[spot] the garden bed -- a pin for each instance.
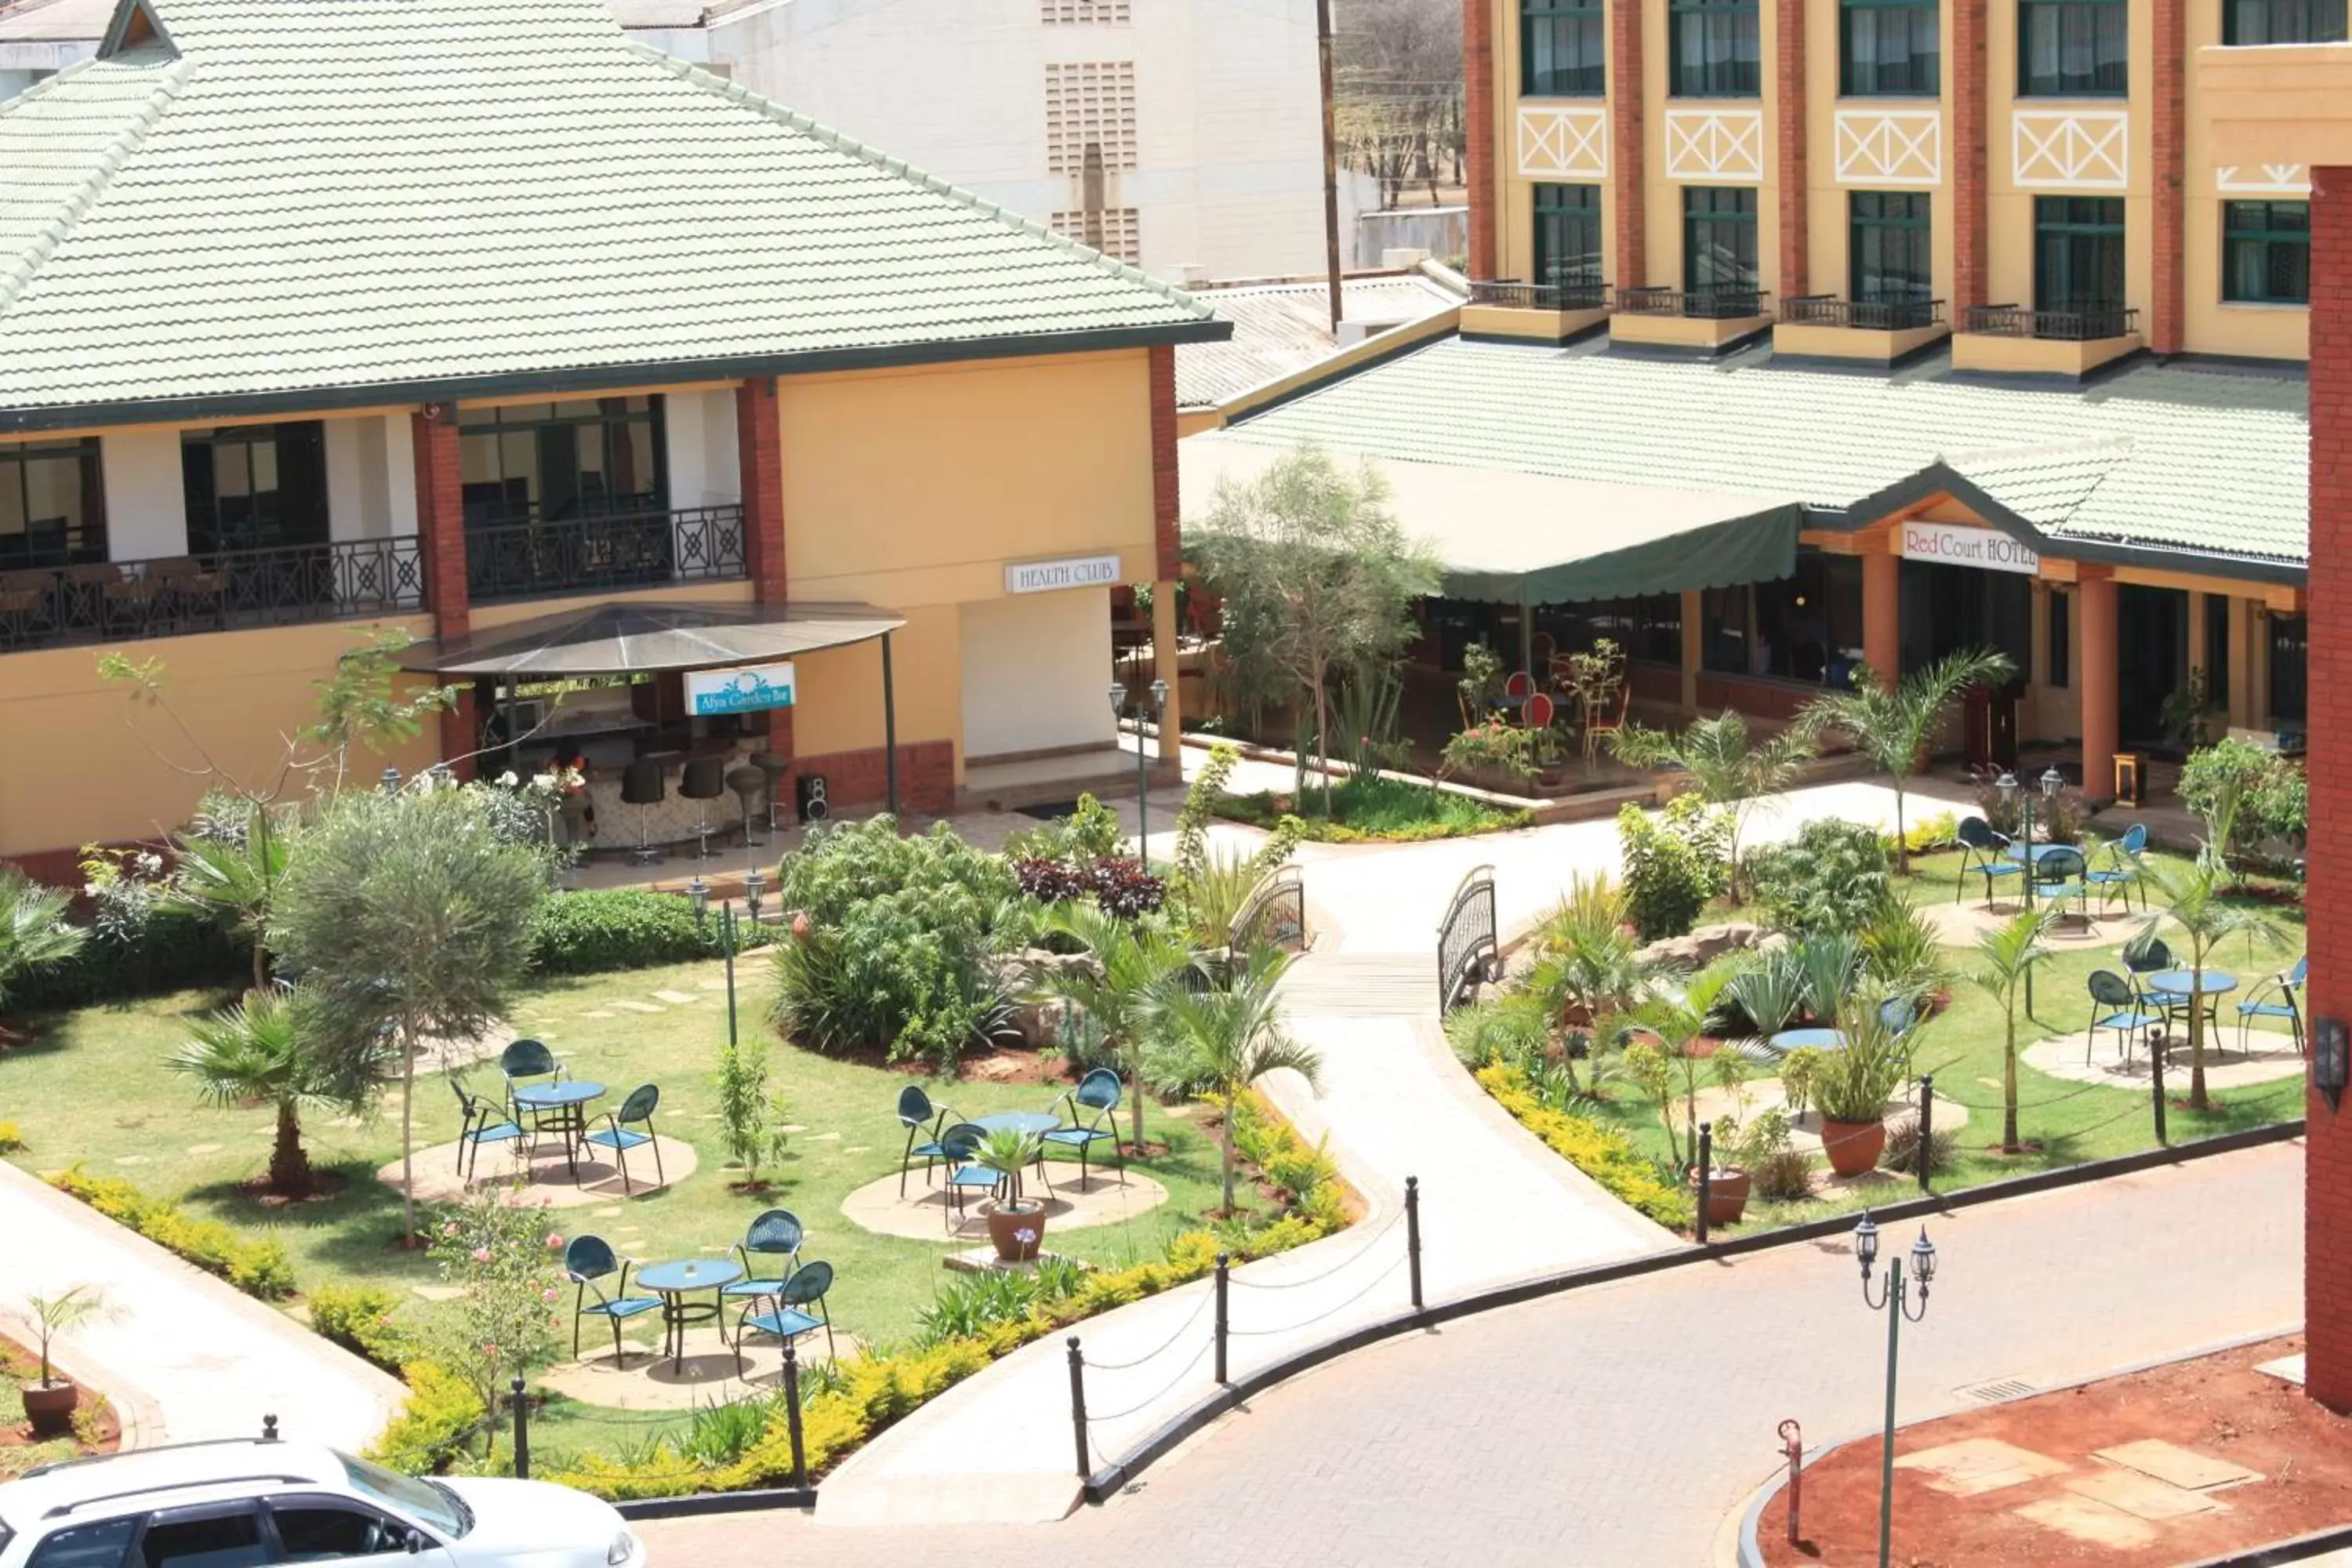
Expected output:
(97, 1430)
(1375, 808)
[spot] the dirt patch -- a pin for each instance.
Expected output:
(2174, 1465)
(979, 1067)
(324, 1184)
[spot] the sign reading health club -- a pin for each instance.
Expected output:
(1079, 572)
(752, 691)
(1983, 547)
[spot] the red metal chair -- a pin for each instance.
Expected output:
(1540, 711)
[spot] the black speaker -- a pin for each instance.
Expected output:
(815, 804)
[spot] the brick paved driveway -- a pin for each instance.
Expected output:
(1619, 1426)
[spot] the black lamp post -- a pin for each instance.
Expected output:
(1158, 698)
(2052, 782)
(1892, 1296)
(699, 891)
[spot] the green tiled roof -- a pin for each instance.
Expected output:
(2169, 457)
(284, 196)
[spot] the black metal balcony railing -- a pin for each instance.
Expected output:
(534, 558)
(2080, 324)
(1702, 304)
(1869, 315)
(226, 591)
(1518, 296)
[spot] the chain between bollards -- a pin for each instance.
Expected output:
(1078, 1404)
(1927, 1130)
(1706, 1176)
(1412, 1235)
(521, 1407)
(792, 1414)
(1224, 1281)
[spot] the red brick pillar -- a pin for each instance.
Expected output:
(1478, 132)
(1789, 131)
(1626, 192)
(2327, 895)
(1882, 613)
(2168, 128)
(2095, 619)
(759, 453)
(1970, 235)
(441, 553)
(1167, 540)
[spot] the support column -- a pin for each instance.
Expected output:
(760, 450)
(1970, 230)
(2101, 726)
(1163, 668)
(1479, 131)
(2037, 653)
(2258, 645)
(1693, 647)
(2200, 655)
(1625, 128)
(1789, 143)
(441, 555)
(1167, 529)
(1882, 613)
(2241, 694)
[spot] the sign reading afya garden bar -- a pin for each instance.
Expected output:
(752, 691)
(1078, 572)
(1988, 548)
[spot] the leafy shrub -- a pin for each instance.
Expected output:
(622, 928)
(1930, 834)
(1830, 878)
(1673, 864)
(359, 1319)
(1900, 952)
(1123, 888)
(1902, 1152)
(1601, 1152)
(1049, 881)
(1782, 1177)
(1090, 833)
(259, 1266)
(1369, 808)
(12, 1138)
(1799, 1070)
(1495, 747)
(148, 951)
(442, 1413)
(2261, 793)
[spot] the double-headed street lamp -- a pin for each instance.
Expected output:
(2050, 782)
(1892, 1295)
(1159, 690)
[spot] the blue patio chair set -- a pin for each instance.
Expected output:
(543, 1103)
(780, 1297)
(2127, 1004)
(938, 1137)
(2059, 872)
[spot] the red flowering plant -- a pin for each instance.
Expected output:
(505, 1261)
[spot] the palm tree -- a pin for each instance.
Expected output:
(230, 866)
(1232, 1037)
(1677, 1018)
(266, 1048)
(1724, 767)
(2193, 902)
(2009, 954)
(1136, 964)
(1587, 961)
(1893, 724)
(33, 929)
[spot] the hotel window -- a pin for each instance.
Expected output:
(1714, 50)
(2266, 252)
(255, 487)
(2078, 253)
(1890, 258)
(553, 462)
(1804, 627)
(2073, 48)
(1563, 48)
(2282, 21)
(1889, 49)
(2289, 636)
(1072, 12)
(1568, 235)
(52, 512)
(1719, 239)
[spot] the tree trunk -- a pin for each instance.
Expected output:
(407, 1136)
(1135, 1082)
(1902, 845)
(289, 1167)
(2197, 1036)
(1323, 742)
(261, 962)
(2010, 1143)
(1229, 1153)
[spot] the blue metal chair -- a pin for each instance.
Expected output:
(1098, 1093)
(586, 1260)
(2116, 1005)
(775, 1234)
(1985, 851)
(957, 1146)
(523, 1060)
(485, 1122)
(638, 1111)
(2121, 872)
(2058, 877)
(923, 1122)
(790, 1318)
(2148, 955)
(2286, 984)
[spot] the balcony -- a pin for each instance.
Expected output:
(2010, 339)
(1709, 320)
(1874, 331)
(229, 590)
(539, 558)
(1534, 312)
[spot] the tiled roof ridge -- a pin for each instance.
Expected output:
(737, 93)
(16, 271)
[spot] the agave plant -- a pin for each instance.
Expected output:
(1771, 991)
(1831, 960)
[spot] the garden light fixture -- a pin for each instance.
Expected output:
(1892, 1295)
(392, 781)
(2052, 782)
(2327, 1058)
(699, 891)
(754, 885)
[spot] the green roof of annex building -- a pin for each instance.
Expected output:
(253, 203)
(2194, 466)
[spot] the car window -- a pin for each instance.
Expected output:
(98, 1544)
(435, 1505)
(318, 1533)
(209, 1540)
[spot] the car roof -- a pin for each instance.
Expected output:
(108, 1484)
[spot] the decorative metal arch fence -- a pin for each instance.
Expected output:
(1468, 952)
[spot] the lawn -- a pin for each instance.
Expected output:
(1368, 807)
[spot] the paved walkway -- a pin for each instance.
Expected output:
(1625, 1425)
(185, 1357)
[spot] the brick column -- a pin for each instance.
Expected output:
(2095, 622)
(2168, 127)
(2327, 895)
(1163, 666)
(1970, 112)
(1166, 532)
(1789, 132)
(441, 554)
(759, 456)
(1882, 612)
(1478, 132)
(2243, 706)
(1693, 646)
(1626, 192)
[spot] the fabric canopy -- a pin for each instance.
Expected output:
(624, 638)
(1520, 538)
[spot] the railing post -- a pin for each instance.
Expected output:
(2158, 1045)
(521, 1428)
(792, 1416)
(1223, 1271)
(1705, 1175)
(1926, 1127)
(1078, 1405)
(1412, 1237)
(270, 1428)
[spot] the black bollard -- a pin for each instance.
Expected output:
(1412, 1235)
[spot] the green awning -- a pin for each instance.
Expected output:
(1520, 538)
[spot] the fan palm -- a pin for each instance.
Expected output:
(266, 1048)
(1586, 960)
(1893, 724)
(1724, 765)
(1136, 963)
(33, 929)
(2191, 897)
(2007, 954)
(230, 869)
(1231, 1038)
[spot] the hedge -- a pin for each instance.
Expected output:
(619, 928)
(257, 1266)
(1601, 1152)
(174, 951)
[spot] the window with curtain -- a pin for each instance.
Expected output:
(1714, 50)
(2073, 49)
(255, 487)
(2266, 252)
(1891, 259)
(1568, 235)
(1719, 238)
(1889, 49)
(52, 511)
(2282, 21)
(1563, 48)
(553, 462)
(2290, 636)
(2078, 253)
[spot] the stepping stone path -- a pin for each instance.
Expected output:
(204, 1148)
(600, 1013)
(676, 998)
(131, 1160)
(640, 1007)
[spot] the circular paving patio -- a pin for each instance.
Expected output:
(925, 1214)
(2270, 1057)
(709, 1373)
(551, 1180)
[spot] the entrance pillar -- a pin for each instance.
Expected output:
(2200, 655)
(2101, 728)
(1882, 613)
(2241, 694)
(760, 450)
(1693, 647)
(1163, 668)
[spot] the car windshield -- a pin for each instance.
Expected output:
(437, 1505)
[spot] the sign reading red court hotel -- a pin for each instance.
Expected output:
(1985, 547)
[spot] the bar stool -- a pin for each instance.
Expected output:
(640, 784)
(773, 768)
(747, 782)
(705, 780)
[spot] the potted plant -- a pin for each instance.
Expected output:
(49, 1403)
(1739, 1148)
(1015, 1224)
(1851, 1087)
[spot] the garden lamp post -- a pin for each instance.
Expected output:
(699, 891)
(1892, 1296)
(1159, 699)
(391, 781)
(2050, 782)
(754, 887)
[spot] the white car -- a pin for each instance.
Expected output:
(257, 1502)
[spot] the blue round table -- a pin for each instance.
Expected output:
(565, 1102)
(672, 1280)
(1789, 1040)
(2177, 988)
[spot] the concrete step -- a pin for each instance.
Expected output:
(1360, 985)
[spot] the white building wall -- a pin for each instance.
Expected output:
(371, 478)
(146, 513)
(699, 429)
(1034, 670)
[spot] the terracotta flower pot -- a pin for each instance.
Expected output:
(1017, 1233)
(1726, 1195)
(1852, 1147)
(50, 1407)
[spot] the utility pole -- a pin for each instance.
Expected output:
(1330, 161)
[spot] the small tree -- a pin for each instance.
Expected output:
(747, 1114)
(2006, 955)
(1135, 965)
(62, 1313)
(1893, 724)
(1669, 1064)
(230, 862)
(1231, 1038)
(33, 929)
(506, 1267)
(1726, 767)
(1318, 578)
(1586, 961)
(2193, 902)
(268, 1047)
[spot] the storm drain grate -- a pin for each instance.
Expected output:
(1995, 1392)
